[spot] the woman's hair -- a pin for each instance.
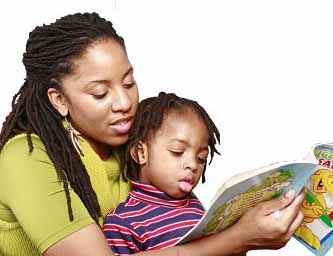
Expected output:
(149, 118)
(50, 52)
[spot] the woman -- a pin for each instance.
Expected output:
(61, 146)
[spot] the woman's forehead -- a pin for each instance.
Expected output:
(105, 60)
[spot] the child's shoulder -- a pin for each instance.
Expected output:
(121, 208)
(128, 207)
(195, 202)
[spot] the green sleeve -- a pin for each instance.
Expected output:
(30, 188)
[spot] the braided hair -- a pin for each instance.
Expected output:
(50, 52)
(149, 118)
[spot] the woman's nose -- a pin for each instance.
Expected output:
(121, 101)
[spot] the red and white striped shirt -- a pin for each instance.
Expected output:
(150, 219)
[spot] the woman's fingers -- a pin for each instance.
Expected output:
(271, 224)
(280, 203)
(295, 224)
(291, 211)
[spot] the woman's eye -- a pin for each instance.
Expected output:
(129, 85)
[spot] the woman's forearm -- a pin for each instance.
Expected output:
(228, 242)
(257, 229)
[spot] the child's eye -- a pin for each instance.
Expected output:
(202, 160)
(176, 153)
(99, 96)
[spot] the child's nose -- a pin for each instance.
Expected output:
(191, 165)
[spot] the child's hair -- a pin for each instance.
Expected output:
(149, 118)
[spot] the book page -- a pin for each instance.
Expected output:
(242, 192)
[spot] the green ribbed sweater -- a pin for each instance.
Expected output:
(33, 207)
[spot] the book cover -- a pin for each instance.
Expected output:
(316, 231)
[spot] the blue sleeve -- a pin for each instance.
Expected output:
(121, 236)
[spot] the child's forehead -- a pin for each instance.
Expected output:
(186, 122)
(185, 113)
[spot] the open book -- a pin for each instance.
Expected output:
(245, 190)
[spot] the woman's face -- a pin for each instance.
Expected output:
(101, 96)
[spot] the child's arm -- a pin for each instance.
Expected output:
(121, 236)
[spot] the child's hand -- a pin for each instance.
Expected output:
(270, 225)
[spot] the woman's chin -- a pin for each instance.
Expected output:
(118, 140)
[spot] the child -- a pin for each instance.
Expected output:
(166, 155)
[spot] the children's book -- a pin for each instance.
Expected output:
(316, 231)
(241, 192)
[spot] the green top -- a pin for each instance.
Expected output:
(33, 206)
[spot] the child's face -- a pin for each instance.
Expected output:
(174, 158)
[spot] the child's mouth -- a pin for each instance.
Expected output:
(186, 185)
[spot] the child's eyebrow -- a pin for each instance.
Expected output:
(205, 147)
(180, 141)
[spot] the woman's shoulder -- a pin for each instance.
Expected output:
(18, 145)
(16, 153)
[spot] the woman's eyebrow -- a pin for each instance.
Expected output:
(129, 71)
(104, 81)
(91, 83)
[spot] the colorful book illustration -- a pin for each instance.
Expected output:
(316, 232)
(311, 198)
(243, 191)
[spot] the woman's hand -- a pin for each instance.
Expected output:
(270, 225)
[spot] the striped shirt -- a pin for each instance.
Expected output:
(150, 219)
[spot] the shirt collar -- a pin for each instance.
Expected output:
(149, 193)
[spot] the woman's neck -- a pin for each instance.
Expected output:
(101, 149)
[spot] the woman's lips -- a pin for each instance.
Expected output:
(123, 126)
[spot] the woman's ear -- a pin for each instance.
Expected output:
(139, 153)
(58, 101)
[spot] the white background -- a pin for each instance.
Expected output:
(262, 69)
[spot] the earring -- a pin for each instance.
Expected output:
(74, 137)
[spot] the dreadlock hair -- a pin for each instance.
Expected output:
(149, 117)
(50, 52)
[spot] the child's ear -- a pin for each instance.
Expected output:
(139, 153)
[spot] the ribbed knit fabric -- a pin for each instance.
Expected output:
(14, 241)
(105, 177)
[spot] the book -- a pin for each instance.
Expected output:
(316, 232)
(245, 190)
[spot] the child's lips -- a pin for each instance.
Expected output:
(186, 185)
